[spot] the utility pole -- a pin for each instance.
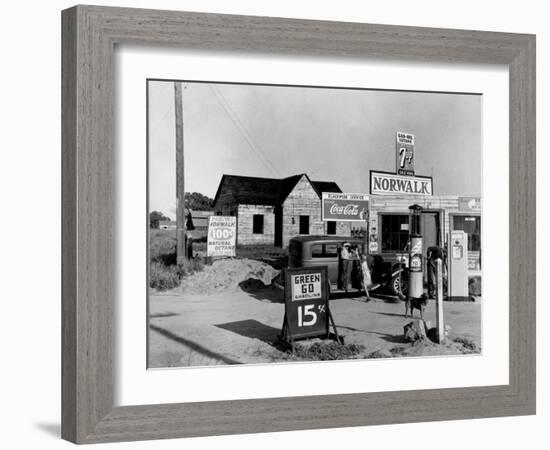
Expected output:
(181, 237)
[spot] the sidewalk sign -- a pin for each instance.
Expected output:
(307, 311)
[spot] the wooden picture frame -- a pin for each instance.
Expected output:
(89, 36)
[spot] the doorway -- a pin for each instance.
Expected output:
(431, 232)
(278, 226)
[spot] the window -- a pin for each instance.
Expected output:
(324, 251)
(331, 250)
(304, 224)
(331, 227)
(472, 226)
(395, 232)
(258, 224)
(317, 251)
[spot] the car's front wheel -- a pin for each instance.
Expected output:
(400, 284)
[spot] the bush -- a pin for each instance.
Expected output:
(190, 266)
(167, 276)
(162, 246)
(163, 277)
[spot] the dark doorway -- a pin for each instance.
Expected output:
(258, 224)
(431, 233)
(304, 224)
(278, 226)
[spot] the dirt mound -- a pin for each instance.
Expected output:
(458, 346)
(324, 350)
(227, 274)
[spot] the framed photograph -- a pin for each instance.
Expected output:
(323, 215)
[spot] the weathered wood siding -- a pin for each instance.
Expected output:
(400, 204)
(304, 201)
(342, 228)
(448, 204)
(225, 206)
(245, 214)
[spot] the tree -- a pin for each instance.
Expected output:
(155, 217)
(198, 202)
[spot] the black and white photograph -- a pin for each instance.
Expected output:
(275, 225)
(298, 223)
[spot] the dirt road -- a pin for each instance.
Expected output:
(240, 326)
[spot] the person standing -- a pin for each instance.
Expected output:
(347, 265)
(366, 280)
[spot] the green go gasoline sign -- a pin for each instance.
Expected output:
(306, 303)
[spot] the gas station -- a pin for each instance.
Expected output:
(406, 219)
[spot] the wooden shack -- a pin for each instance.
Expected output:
(271, 211)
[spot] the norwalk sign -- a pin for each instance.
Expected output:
(382, 183)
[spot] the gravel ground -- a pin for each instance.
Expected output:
(241, 325)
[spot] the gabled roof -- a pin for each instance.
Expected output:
(267, 191)
(326, 186)
(250, 190)
(287, 185)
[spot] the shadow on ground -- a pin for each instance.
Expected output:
(193, 345)
(396, 339)
(252, 329)
(256, 289)
(393, 338)
(342, 294)
(392, 314)
(162, 315)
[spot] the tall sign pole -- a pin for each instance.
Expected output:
(180, 186)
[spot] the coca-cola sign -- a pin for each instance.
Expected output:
(345, 207)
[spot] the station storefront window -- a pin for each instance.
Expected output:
(394, 232)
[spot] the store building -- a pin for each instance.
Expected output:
(441, 214)
(271, 211)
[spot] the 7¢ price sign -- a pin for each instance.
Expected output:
(306, 302)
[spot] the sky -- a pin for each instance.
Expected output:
(330, 134)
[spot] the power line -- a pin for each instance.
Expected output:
(159, 121)
(235, 119)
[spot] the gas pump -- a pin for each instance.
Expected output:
(416, 278)
(458, 266)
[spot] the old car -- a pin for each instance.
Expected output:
(312, 251)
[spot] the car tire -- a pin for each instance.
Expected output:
(400, 285)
